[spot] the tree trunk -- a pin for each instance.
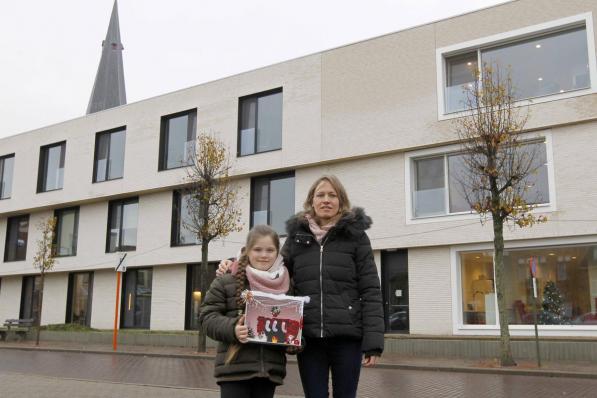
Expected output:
(201, 344)
(41, 301)
(498, 262)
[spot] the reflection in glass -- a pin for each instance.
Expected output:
(80, 300)
(16, 242)
(260, 125)
(122, 226)
(566, 281)
(429, 191)
(66, 232)
(53, 167)
(460, 75)
(273, 201)
(179, 140)
(6, 170)
(544, 65)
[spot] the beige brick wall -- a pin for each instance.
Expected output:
(168, 297)
(54, 300)
(430, 297)
(104, 296)
(10, 297)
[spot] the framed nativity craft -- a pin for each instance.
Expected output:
(274, 318)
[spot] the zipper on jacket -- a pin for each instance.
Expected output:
(321, 282)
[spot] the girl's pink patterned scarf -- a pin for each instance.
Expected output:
(275, 280)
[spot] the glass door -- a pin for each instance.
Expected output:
(394, 268)
(136, 298)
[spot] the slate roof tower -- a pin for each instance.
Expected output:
(108, 89)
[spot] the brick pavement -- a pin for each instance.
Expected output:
(175, 376)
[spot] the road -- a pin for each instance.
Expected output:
(81, 375)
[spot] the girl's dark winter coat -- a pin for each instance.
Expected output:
(218, 316)
(340, 277)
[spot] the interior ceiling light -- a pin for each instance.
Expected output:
(538, 46)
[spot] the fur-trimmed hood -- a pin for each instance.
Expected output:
(354, 223)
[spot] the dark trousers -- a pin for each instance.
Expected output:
(258, 387)
(342, 356)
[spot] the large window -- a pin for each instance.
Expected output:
(437, 187)
(122, 225)
(181, 219)
(177, 139)
(260, 123)
(6, 169)
(78, 305)
(51, 167)
(17, 229)
(272, 200)
(194, 293)
(65, 238)
(30, 295)
(136, 304)
(109, 155)
(540, 65)
(566, 285)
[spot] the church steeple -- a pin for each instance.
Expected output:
(108, 89)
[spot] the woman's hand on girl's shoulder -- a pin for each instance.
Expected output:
(224, 267)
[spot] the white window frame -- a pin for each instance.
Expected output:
(458, 326)
(512, 37)
(410, 157)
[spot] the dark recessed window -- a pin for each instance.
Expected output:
(122, 225)
(177, 139)
(78, 304)
(67, 225)
(272, 200)
(194, 294)
(51, 167)
(30, 293)
(136, 304)
(6, 169)
(17, 229)
(181, 219)
(260, 123)
(109, 155)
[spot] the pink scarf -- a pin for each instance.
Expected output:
(320, 231)
(275, 280)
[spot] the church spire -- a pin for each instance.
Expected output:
(108, 89)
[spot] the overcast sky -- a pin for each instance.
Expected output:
(51, 49)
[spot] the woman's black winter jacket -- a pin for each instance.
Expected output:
(218, 316)
(340, 277)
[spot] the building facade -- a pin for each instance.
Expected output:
(378, 114)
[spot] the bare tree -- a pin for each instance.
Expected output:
(44, 261)
(498, 170)
(211, 200)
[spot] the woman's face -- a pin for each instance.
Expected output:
(325, 201)
(263, 253)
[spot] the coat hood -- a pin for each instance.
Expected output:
(355, 222)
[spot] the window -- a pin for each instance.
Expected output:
(51, 167)
(30, 295)
(136, 305)
(6, 169)
(260, 123)
(566, 286)
(65, 238)
(78, 304)
(272, 201)
(543, 64)
(194, 292)
(181, 218)
(122, 225)
(436, 187)
(17, 229)
(177, 140)
(109, 155)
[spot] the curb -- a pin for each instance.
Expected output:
(429, 367)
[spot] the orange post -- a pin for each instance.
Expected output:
(115, 335)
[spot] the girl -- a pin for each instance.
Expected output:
(246, 370)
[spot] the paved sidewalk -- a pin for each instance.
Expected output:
(387, 361)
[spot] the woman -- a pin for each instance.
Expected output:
(329, 258)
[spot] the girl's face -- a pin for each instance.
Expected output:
(263, 253)
(325, 201)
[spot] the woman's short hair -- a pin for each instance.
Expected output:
(338, 187)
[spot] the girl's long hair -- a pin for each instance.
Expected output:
(257, 232)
